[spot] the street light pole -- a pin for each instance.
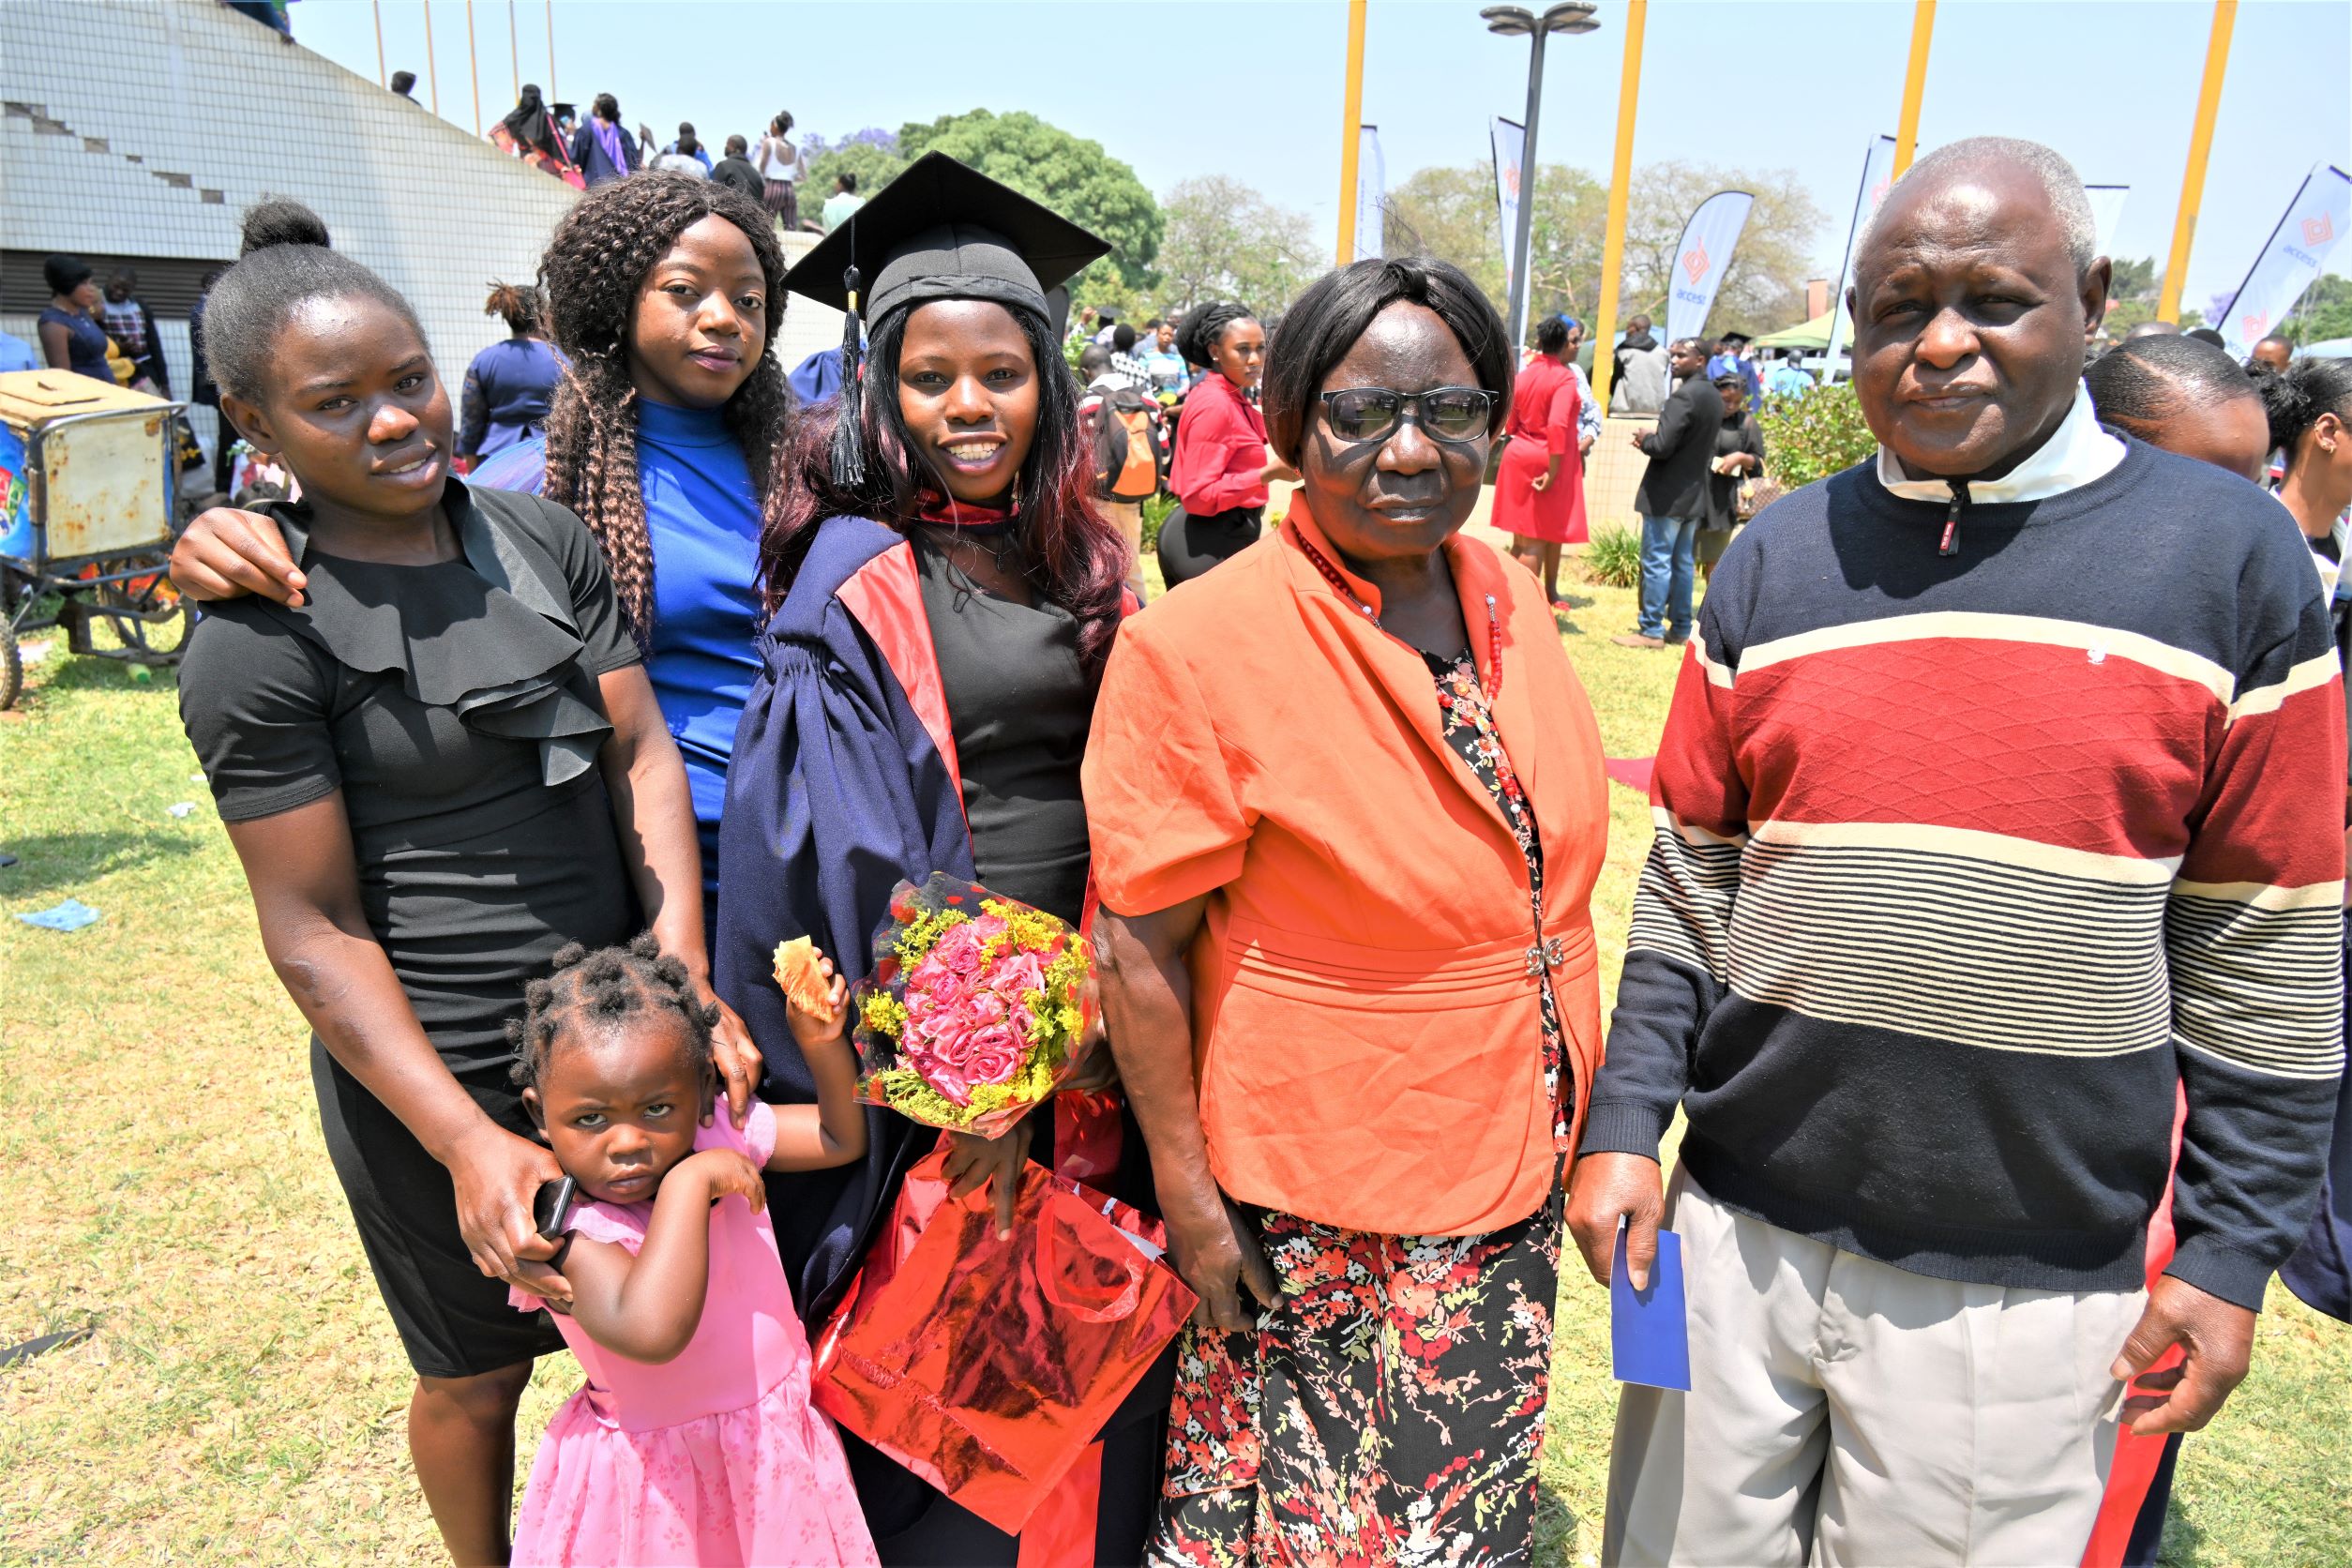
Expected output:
(1569, 16)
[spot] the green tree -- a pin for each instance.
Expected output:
(1450, 212)
(1226, 241)
(872, 155)
(1073, 176)
(1763, 290)
(2324, 312)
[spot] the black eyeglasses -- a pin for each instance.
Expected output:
(1364, 414)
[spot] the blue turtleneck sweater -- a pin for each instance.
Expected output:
(704, 519)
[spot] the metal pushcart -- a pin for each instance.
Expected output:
(89, 489)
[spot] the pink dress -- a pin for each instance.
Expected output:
(715, 1457)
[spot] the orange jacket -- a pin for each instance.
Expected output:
(1365, 1025)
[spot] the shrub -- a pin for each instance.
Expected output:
(1156, 512)
(1814, 435)
(1613, 559)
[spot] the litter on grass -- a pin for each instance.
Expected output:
(32, 652)
(71, 916)
(181, 809)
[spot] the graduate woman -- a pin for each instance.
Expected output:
(942, 597)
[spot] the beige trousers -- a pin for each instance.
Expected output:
(1842, 1411)
(1129, 515)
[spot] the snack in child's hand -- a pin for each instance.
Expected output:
(804, 982)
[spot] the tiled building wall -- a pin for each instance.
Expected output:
(219, 115)
(145, 128)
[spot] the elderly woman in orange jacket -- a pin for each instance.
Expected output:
(1347, 809)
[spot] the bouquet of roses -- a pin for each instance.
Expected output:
(977, 1007)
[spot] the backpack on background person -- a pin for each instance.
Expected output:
(1131, 460)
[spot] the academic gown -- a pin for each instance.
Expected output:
(842, 784)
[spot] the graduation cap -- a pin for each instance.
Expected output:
(938, 231)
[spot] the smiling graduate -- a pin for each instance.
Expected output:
(941, 593)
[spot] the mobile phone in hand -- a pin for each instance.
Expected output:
(552, 1207)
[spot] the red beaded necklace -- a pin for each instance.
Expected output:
(1492, 686)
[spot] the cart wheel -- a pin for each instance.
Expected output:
(146, 610)
(12, 665)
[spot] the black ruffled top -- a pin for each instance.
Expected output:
(455, 706)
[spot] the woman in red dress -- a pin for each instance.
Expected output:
(1539, 490)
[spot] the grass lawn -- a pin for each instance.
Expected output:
(241, 1399)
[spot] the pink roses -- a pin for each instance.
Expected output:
(977, 1009)
(967, 1020)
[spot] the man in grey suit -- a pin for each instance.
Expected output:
(1673, 499)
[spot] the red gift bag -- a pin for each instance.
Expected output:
(985, 1366)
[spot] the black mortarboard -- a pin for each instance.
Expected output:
(942, 231)
(938, 231)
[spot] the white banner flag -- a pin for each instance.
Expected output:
(1371, 191)
(2297, 251)
(1701, 260)
(2106, 213)
(1878, 173)
(1510, 139)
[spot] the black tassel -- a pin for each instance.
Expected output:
(847, 459)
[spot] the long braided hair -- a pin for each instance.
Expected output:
(601, 252)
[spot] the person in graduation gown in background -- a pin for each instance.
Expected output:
(941, 593)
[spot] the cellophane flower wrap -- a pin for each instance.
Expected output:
(977, 1007)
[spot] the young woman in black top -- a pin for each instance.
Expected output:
(442, 767)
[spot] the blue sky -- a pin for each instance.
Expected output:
(1251, 88)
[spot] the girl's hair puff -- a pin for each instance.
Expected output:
(598, 990)
(601, 254)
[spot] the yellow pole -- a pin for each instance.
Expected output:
(514, 51)
(382, 80)
(1620, 177)
(551, 51)
(1351, 133)
(432, 67)
(2184, 227)
(473, 66)
(1914, 85)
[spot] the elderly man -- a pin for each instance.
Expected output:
(1672, 500)
(1999, 802)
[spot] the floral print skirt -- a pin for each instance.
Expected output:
(1389, 1411)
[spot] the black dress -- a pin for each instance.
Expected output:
(1020, 706)
(454, 707)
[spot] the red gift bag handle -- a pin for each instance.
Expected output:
(1055, 1280)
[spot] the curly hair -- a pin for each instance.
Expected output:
(601, 252)
(2295, 397)
(1065, 548)
(601, 988)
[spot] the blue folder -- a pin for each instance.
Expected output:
(1649, 1330)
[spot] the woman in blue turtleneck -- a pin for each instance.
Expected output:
(667, 439)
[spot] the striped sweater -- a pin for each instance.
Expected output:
(1962, 861)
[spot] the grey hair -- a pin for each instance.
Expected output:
(2061, 186)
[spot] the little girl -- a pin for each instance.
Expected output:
(694, 1441)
